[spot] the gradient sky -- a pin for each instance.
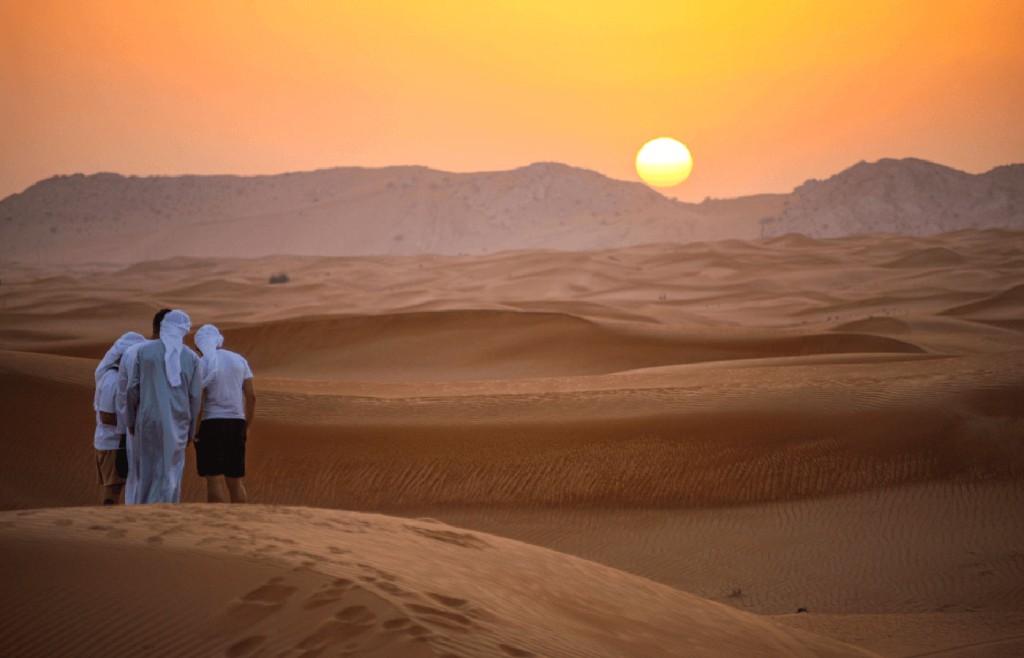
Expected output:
(765, 94)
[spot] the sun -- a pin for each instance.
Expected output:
(663, 162)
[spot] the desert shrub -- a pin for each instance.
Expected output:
(280, 277)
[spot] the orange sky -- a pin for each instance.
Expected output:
(765, 94)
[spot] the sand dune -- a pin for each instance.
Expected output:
(281, 579)
(725, 436)
(1005, 304)
(453, 345)
(750, 426)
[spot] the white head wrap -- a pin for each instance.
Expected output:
(208, 339)
(173, 329)
(111, 358)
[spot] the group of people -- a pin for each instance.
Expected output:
(150, 396)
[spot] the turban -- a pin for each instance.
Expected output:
(112, 356)
(208, 339)
(173, 328)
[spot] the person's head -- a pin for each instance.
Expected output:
(176, 322)
(208, 339)
(113, 355)
(157, 319)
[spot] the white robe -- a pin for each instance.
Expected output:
(162, 418)
(123, 373)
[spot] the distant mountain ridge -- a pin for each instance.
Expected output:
(909, 197)
(355, 211)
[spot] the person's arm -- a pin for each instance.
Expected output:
(250, 401)
(121, 397)
(199, 419)
(107, 398)
(195, 398)
(131, 406)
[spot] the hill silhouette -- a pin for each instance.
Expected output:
(415, 210)
(909, 197)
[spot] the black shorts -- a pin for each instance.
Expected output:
(220, 449)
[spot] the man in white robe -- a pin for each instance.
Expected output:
(162, 406)
(125, 370)
(110, 425)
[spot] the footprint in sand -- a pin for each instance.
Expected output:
(349, 623)
(449, 601)
(462, 606)
(274, 592)
(328, 594)
(464, 539)
(445, 618)
(170, 530)
(252, 608)
(378, 574)
(393, 590)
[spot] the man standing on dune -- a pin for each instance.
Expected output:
(108, 440)
(127, 363)
(161, 408)
(229, 403)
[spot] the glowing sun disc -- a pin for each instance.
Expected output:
(663, 162)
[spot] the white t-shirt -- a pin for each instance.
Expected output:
(106, 437)
(224, 396)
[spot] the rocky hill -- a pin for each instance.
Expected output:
(351, 211)
(109, 218)
(909, 197)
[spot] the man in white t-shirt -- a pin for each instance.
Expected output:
(229, 403)
(108, 440)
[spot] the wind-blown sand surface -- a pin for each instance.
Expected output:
(735, 429)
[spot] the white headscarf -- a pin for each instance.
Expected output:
(173, 329)
(208, 339)
(111, 358)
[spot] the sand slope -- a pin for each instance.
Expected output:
(297, 581)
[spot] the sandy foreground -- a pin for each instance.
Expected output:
(658, 450)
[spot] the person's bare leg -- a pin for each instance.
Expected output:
(111, 492)
(216, 492)
(237, 490)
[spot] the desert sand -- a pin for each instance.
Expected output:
(652, 450)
